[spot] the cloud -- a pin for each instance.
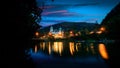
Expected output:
(64, 4)
(75, 10)
(54, 12)
(61, 13)
(52, 20)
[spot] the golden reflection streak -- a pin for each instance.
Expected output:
(103, 51)
(58, 47)
(92, 48)
(77, 48)
(87, 49)
(40, 45)
(44, 46)
(35, 48)
(49, 48)
(55, 47)
(77, 45)
(71, 46)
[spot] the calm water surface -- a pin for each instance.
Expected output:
(75, 54)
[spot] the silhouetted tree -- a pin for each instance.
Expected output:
(22, 20)
(112, 23)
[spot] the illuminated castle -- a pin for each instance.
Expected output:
(56, 33)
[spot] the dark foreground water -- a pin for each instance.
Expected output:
(77, 54)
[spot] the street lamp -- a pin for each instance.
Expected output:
(37, 34)
(102, 28)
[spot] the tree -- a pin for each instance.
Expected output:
(112, 23)
(21, 22)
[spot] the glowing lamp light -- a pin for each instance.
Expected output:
(102, 28)
(91, 32)
(37, 33)
(76, 34)
(50, 33)
(71, 32)
(99, 32)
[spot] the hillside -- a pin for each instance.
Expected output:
(67, 26)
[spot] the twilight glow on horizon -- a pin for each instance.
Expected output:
(75, 10)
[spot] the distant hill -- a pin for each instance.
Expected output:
(67, 26)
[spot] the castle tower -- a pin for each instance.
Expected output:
(51, 29)
(60, 29)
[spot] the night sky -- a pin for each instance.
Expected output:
(75, 10)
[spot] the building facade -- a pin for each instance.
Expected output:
(56, 33)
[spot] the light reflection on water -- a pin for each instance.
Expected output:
(65, 52)
(58, 47)
(76, 49)
(72, 48)
(103, 52)
(85, 54)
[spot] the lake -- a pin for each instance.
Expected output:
(72, 54)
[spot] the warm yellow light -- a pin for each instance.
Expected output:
(44, 46)
(91, 32)
(76, 48)
(50, 33)
(55, 47)
(71, 32)
(76, 34)
(102, 28)
(71, 46)
(60, 33)
(92, 46)
(103, 51)
(49, 48)
(37, 33)
(79, 33)
(99, 32)
(58, 47)
(35, 48)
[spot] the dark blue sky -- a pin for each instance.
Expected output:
(75, 10)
